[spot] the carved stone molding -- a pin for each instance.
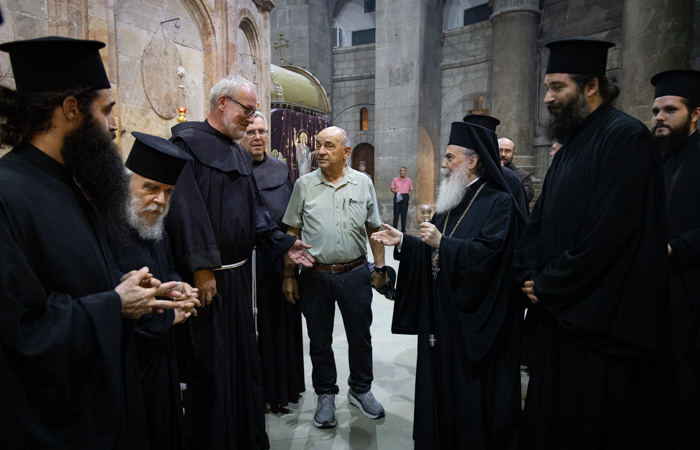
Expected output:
(507, 6)
(264, 5)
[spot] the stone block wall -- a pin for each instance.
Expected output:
(353, 89)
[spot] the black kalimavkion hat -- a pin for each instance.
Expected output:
(578, 55)
(156, 158)
(55, 63)
(681, 83)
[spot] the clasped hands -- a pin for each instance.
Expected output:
(138, 290)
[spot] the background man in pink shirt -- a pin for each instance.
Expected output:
(401, 187)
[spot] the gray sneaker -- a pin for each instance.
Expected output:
(369, 405)
(325, 411)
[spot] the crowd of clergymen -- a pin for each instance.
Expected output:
(117, 285)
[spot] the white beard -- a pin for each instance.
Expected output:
(145, 230)
(452, 188)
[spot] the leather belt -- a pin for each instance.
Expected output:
(340, 268)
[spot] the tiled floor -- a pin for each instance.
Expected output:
(394, 383)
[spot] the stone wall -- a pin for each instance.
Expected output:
(307, 27)
(353, 89)
(142, 54)
(466, 65)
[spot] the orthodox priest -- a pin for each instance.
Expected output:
(68, 371)
(455, 290)
(675, 114)
(216, 218)
(155, 164)
(592, 261)
(280, 338)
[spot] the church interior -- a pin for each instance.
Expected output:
(394, 74)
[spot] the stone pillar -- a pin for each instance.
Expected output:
(407, 99)
(513, 81)
(654, 39)
(307, 26)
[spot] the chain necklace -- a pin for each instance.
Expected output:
(435, 259)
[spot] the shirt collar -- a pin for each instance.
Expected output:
(350, 176)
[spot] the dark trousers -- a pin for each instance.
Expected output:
(353, 292)
(401, 208)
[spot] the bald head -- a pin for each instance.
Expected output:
(507, 149)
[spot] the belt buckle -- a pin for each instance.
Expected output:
(333, 266)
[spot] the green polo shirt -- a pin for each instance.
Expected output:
(333, 218)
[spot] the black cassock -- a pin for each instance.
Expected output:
(216, 218)
(681, 170)
(155, 341)
(280, 339)
(474, 380)
(69, 374)
(595, 247)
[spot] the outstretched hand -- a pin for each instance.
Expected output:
(298, 254)
(390, 236)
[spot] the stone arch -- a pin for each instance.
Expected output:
(248, 27)
(364, 152)
(213, 70)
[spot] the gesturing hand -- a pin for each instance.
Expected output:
(298, 254)
(390, 236)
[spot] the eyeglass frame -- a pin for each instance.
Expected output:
(262, 133)
(245, 108)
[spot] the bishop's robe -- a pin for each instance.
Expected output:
(68, 374)
(681, 171)
(468, 385)
(595, 247)
(280, 338)
(216, 217)
(155, 341)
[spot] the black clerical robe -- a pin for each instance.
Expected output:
(595, 247)
(155, 341)
(516, 189)
(69, 378)
(468, 385)
(681, 171)
(280, 338)
(216, 218)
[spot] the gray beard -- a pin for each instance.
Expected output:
(452, 189)
(145, 230)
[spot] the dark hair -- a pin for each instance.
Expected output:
(608, 90)
(22, 117)
(692, 105)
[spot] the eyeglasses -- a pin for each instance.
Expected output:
(248, 111)
(252, 133)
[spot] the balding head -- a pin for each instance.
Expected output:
(507, 149)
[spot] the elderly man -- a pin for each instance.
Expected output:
(507, 151)
(155, 165)
(334, 208)
(215, 220)
(455, 291)
(279, 322)
(592, 260)
(675, 114)
(69, 377)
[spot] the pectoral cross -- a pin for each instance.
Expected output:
(432, 340)
(280, 45)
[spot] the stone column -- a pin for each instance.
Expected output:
(513, 75)
(407, 99)
(307, 26)
(654, 39)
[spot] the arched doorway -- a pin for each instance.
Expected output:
(364, 152)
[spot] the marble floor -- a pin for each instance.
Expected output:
(393, 386)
